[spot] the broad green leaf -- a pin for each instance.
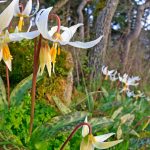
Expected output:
(133, 132)
(99, 123)
(105, 92)
(146, 125)
(3, 100)
(20, 90)
(57, 125)
(117, 112)
(127, 119)
(119, 133)
(63, 108)
(90, 101)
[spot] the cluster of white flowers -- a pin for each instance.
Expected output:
(127, 81)
(58, 35)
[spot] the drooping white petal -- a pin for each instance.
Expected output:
(105, 145)
(68, 34)
(36, 8)
(42, 22)
(83, 45)
(85, 128)
(8, 64)
(102, 138)
(23, 35)
(28, 8)
(16, 8)
(86, 144)
(7, 15)
(105, 70)
(3, 1)
(54, 30)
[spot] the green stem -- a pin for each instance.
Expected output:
(35, 70)
(74, 131)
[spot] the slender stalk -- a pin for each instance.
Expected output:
(8, 86)
(7, 79)
(35, 70)
(57, 19)
(73, 132)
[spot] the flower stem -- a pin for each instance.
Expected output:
(73, 132)
(8, 86)
(57, 19)
(35, 70)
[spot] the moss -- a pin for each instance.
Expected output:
(55, 85)
(22, 53)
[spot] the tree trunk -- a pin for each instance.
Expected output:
(81, 17)
(103, 25)
(134, 34)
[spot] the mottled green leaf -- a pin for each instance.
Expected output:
(20, 90)
(3, 100)
(105, 92)
(63, 108)
(57, 125)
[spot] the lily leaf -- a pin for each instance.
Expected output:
(20, 90)
(3, 101)
(63, 108)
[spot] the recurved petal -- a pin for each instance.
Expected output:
(42, 22)
(3, 1)
(68, 34)
(84, 45)
(102, 138)
(36, 8)
(7, 15)
(86, 144)
(85, 128)
(105, 145)
(8, 64)
(41, 68)
(23, 35)
(49, 67)
(54, 29)
(16, 8)
(28, 8)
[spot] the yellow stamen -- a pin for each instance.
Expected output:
(125, 87)
(58, 52)
(91, 138)
(21, 23)
(6, 52)
(53, 53)
(106, 77)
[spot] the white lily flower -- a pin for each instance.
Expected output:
(130, 93)
(11, 37)
(106, 72)
(24, 12)
(60, 38)
(148, 98)
(113, 76)
(45, 58)
(89, 142)
(128, 81)
(7, 15)
(139, 95)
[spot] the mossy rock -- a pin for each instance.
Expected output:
(59, 84)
